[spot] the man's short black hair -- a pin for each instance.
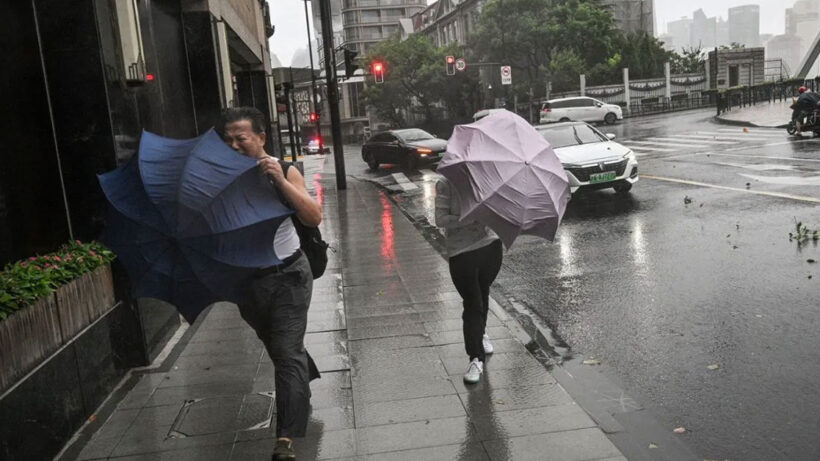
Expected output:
(236, 114)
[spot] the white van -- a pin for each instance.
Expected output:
(580, 108)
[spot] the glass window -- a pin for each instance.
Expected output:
(357, 108)
(414, 135)
(571, 135)
(586, 102)
(382, 137)
(558, 104)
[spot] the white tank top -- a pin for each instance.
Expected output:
(286, 240)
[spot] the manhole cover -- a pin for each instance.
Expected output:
(224, 414)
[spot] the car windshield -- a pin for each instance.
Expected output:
(570, 135)
(414, 135)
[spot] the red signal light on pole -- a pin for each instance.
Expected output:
(313, 117)
(378, 71)
(451, 65)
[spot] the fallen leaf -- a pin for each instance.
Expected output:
(734, 247)
(745, 130)
(701, 205)
(680, 430)
(592, 362)
(758, 316)
(498, 402)
(728, 235)
(687, 199)
(810, 277)
(652, 445)
(713, 366)
(92, 418)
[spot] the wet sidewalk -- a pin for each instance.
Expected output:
(766, 115)
(385, 330)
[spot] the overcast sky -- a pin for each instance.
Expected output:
(289, 18)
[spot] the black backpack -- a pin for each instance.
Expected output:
(310, 239)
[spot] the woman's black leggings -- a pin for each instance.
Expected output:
(473, 272)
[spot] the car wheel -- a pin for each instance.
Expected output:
(372, 163)
(610, 118)
(564, 119)
(623, 188)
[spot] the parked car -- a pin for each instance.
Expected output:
(591, 159)
(407, 147)
(312, 147)
(580, 108)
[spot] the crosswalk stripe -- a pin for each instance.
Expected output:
(721, 138)
(686, 139)
(667, 144)
(644, 149)
(770, 134)
(404, 182)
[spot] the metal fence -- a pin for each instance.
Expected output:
(764, 93)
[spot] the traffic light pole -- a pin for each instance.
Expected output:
(332, 93)
(313, 83)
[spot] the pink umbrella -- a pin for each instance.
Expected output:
(507, 177)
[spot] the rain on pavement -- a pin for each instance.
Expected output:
(687, 290)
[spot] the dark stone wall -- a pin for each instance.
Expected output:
(200, 46)
(32, 213)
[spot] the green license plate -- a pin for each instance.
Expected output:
(601, 177)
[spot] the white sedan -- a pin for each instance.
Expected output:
(591, 159)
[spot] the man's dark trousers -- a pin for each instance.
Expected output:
(278, 313)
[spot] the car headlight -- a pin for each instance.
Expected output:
(570, 165)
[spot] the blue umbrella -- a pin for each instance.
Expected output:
(191, 220)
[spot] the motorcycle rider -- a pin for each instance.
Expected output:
(806, 103)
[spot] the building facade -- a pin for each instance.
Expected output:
(448, 21)
(744, 25)
(633, 15)
(367, 22)
(740, 67)
(803, 22)
(679, 31)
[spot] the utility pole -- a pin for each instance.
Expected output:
(332, 93)
(316, 107)
(291, 102)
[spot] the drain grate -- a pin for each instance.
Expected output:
(230, 413)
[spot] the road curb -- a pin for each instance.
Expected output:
(723, 121)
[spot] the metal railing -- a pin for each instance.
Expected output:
(764, 93)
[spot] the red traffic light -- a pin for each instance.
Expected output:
(451, 59)
(377, 67)
(313, 117)
(378, 71)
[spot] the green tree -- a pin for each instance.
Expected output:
(415, 81)
(689, 61)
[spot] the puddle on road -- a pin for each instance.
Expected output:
(786, 180)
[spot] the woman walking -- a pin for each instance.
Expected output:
(475, 254)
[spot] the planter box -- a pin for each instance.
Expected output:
(26, 338)
(32, 334)
(84, 300)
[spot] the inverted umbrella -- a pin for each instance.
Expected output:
(506, 176)
(191, 220)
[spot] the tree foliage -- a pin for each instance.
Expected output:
(689, 61)
(415, 81)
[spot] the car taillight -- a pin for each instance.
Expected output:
(546, 109)
(423, 151)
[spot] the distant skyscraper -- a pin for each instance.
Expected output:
(744, 25)
(703, 32)
(803, 21)
(680, 32)
(786, 48)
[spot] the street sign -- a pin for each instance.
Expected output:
(506, 75)
(461, 64)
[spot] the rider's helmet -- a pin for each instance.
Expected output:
(801, 90)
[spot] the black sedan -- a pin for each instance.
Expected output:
(407, 147)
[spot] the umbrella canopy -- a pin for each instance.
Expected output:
(191, 220)
(506, 176)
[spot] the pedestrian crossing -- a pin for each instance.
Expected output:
(702, 140)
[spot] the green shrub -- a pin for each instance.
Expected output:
(24, 282)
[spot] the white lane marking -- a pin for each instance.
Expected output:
(686, 140)
(431, 173)
(644, 149)
(735, 189)
(740, 134)
(668, 144)
(718, 137)
(770, 144)
(772, 132)
(404, 182)
(786, 180)
(770, 157)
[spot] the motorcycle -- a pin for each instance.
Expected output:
(812, 123)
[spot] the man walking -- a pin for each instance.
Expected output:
(280, 295)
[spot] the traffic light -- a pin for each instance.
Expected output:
(350, 63)
(378, 71)
(313, 117)
(451, 65)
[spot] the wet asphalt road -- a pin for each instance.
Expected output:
(688, 289)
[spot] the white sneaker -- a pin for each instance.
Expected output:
(488, 346)
(473, 373)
